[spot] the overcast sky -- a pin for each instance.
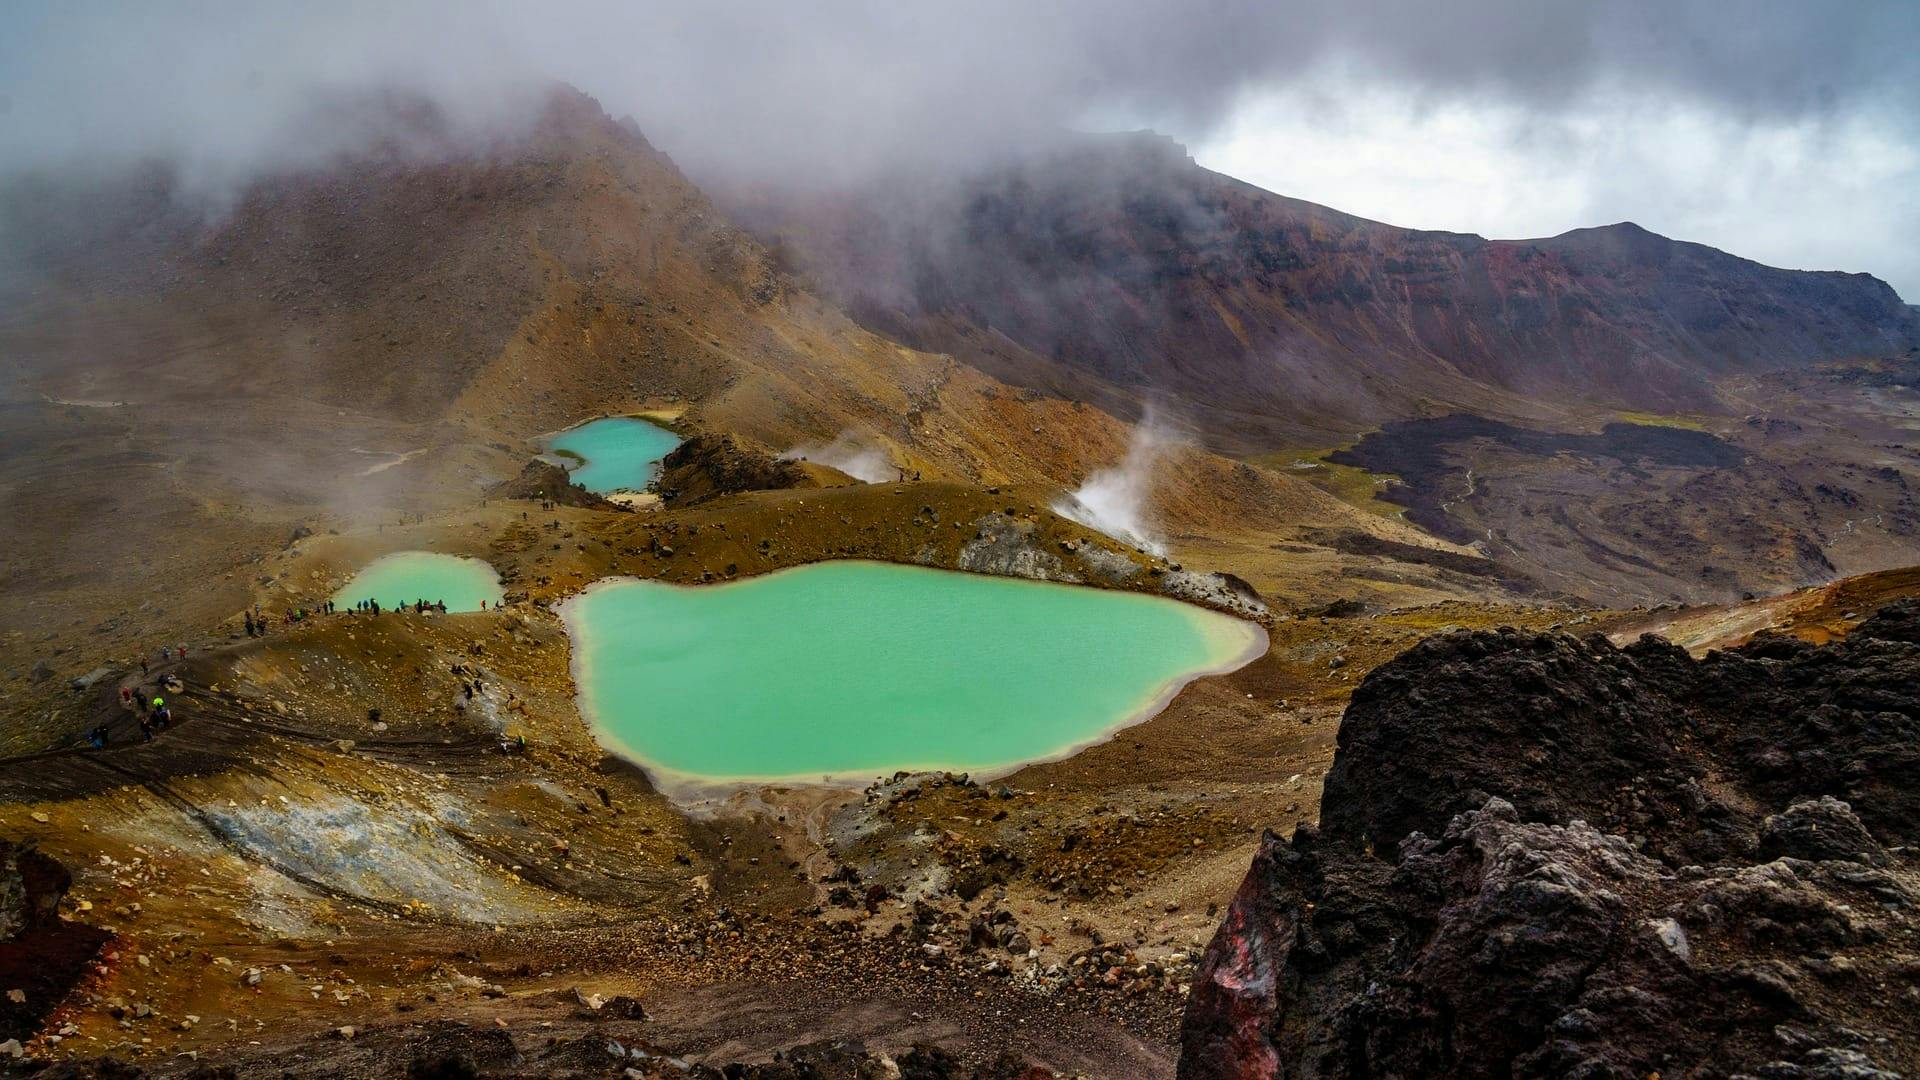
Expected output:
(1784, 132)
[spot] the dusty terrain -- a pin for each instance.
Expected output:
(277, 817)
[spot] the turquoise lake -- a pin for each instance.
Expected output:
(408, 576)
(620, 453)
(854, 669)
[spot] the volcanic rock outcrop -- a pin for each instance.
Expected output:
(1546, 856)
(546, 481)
(41, 954)
(707, 466)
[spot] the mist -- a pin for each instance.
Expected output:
(826, 95)
(848, 453)
(1116, 500)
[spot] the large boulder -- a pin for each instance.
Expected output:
(544, 481)
(708, 466)
(42, 956)
(1547, 856)
(31, 887)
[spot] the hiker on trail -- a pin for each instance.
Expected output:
(126, 697)
(143, 667)
(146, 730)
(483, 605)
(252, 631)
(183, 652)
(97, 737)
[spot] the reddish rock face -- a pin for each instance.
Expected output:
(42, 956)
(1543, 856)
(1236, 995)
(1119, 256)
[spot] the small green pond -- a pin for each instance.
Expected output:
(851, 669)
(617, 453)
(409, 576)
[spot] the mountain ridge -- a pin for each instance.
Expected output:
(1123, 258)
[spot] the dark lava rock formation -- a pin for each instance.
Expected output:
(708, 466)
(42, 955)
(1546, 856)
(446, 1050)
(545, 481)
(1415, 451)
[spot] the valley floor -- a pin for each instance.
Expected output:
(278, 865)
(337, 860)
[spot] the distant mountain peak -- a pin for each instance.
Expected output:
(1114, 254)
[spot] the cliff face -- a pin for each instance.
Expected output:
(707, 466)
(1120, 257)
(1543, 856)
(42, 956)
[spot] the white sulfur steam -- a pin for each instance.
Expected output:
(1114, 500)
(851, 456)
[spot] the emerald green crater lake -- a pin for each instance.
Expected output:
(620, 453)
(850, 669)
(408, 576)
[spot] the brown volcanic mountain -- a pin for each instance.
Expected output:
(448, 298)
(1120, 257)
(389, 334)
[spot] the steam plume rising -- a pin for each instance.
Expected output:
(848, 454)
(1114, 500)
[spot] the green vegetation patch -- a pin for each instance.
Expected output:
(1348, 483)
(1688, 423)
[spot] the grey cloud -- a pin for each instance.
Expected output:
(824, 91)
(760, 81)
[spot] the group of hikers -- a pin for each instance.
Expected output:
(152, 714)
(257, 622)
(418, 607)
